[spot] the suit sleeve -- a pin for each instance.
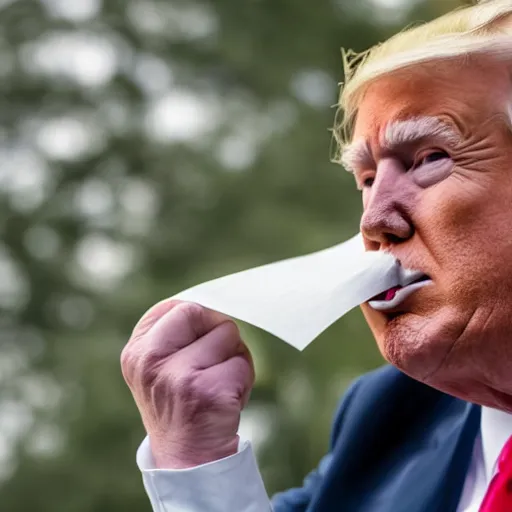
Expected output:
(233, 483)
(298, 499)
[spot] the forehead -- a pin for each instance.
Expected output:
(455, 93)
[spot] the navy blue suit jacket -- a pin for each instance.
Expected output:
(397, 446)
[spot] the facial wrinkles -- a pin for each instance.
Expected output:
(476, 158)
(389, 119)
(459, 204)
(482, 150)
(461, 230)
(433, 90)
(358, 154)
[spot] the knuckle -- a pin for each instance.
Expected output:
(190, 309)
(227, 336)
(231, 330)
(152, 315)
(147, 368)
(250, 372)
(247, 367)
(246, 356)
(128, 363)
(243, 372)
(230, 337)
(201, 319)
(192, 314)
(140, 367)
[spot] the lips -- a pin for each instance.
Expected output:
(388, 294)
(410, 281)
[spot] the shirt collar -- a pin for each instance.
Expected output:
(496, 428)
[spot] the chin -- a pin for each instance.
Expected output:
(462, 351)
(418, 345)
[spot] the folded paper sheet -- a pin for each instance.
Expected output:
(297, 299)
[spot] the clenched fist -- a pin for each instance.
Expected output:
(190, 375)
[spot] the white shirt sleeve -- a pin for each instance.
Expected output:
(233, 484)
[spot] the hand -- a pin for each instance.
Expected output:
(190, 375)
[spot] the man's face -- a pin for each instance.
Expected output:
(432, 153)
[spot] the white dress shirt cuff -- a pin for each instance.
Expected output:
(232, 484)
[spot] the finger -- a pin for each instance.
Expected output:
(151, 316)
(181, 326)
(220, 344)
(235, 376)
(252, 376)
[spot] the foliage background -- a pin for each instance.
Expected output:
(146, 146)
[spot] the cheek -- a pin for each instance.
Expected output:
(460, 211)
(430, 174)
(465, 224)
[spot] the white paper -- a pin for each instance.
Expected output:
(297, 299)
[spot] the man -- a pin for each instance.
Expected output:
(428, 118)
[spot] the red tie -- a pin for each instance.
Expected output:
(499, 493)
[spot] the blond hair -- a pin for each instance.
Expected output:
(481, 28)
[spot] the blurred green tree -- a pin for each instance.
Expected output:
(146, 146)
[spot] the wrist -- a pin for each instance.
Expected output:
(172, 455)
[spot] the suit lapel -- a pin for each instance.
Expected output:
(435, 481)
(423, 472)
(456, 468)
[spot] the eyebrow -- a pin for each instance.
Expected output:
(397, 133)
(356, 155)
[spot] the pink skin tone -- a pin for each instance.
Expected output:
(190, 375)
(442, 208)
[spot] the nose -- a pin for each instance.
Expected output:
(386, 219)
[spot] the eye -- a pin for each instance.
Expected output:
(368, 182)
(431, 167)
(432, 157)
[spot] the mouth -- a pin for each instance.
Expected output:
(410, 281)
